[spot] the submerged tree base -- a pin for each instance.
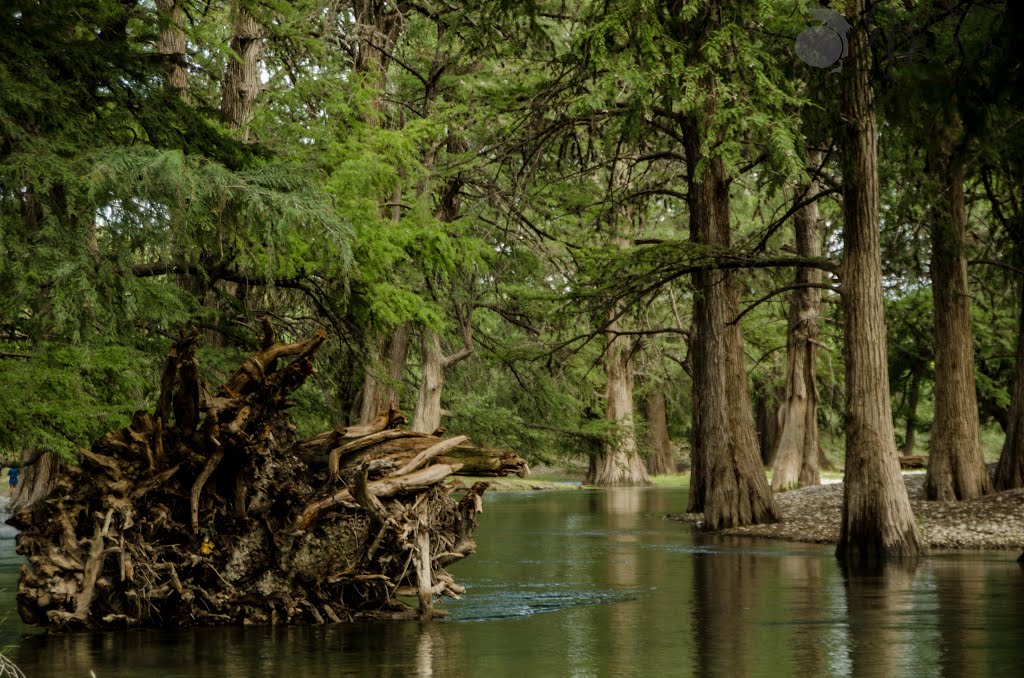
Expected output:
(209, 511)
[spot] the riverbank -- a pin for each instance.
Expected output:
(513, 484)
(813, 514)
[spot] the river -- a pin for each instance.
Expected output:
(599, 583)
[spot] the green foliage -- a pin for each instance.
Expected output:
(63, 396)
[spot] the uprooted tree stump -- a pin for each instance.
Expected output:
(210, 511)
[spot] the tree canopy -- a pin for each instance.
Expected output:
(495, 211)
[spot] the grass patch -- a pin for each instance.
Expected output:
(992, 438)
(834, 447)
(672, 480)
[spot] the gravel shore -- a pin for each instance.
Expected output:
(812, 514)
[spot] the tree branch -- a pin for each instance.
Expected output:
(305, 286)
(796, 207)
(457, 357)
(987, 262)
(589, 437)
(781, 290)
(663, 330)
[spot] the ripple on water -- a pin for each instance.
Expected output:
(491, 601)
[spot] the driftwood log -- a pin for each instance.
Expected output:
(913, 462)
(208, 511)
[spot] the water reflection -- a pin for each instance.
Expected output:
(880, 608)
(720, 594)
(359, 650)
(959, 585)
(594, 583)
(803, 599)
(624, 507)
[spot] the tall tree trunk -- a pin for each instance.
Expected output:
(380, 388)
(242, 76)
(170, 44)
(730, 477)
(427, 418)
(956, 465)
(1010, 471)
(824, 463)
(618, 463)
(766, 421)
(376, 30)
(877, 522)
(916, 377)
(796, 452)
(434, 363)
(660, 461)
(698, 469)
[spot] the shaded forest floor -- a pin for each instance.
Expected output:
(812, 514)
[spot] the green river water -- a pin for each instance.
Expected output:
(599, 583)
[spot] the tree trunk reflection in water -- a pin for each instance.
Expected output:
(878, 602)
(383, 650)
(437, 652)
(960, 588)
(725, 590)
(624, 506)
(801, 588)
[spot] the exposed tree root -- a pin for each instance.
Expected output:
(209, 511)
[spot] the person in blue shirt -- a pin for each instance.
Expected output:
(12, 476)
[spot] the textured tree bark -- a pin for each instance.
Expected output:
(1010, 471)
(660, 461)
(427, 418)
(434, 363)
(618, 463)
(766, 421)
(380, 391)
(170, 44)
(727, 473)
(242, 76)
(877, 522)
(956, 465)
(916, 377)
(796, 451)
(698, 469)
(39, 471)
